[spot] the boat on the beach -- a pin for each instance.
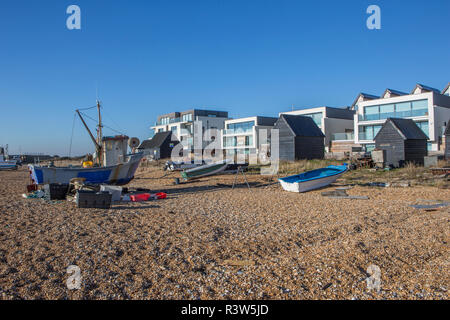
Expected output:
(205, 170)
(313, 179)
(112, 166)
(119, 174)
(6, 164)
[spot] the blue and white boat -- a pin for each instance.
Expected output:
(7, 164)
(114, 166)
(119, 174)
(312, 180)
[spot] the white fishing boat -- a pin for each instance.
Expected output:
(312, 180)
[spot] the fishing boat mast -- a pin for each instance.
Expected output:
(99, 133)
(97, 142)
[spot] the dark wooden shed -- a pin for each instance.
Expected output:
(403, 142)
(300, 138)
(158, 147)
(447, 140)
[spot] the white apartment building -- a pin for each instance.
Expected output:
(242, 136)
(181, 124)
(428, 107)
(335, 123)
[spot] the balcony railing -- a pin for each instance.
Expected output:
(342, 136)
(398, 114)
(364, 136)
(172, 120)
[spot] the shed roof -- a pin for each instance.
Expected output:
(302, 126)
(157, 140)
(407, 128)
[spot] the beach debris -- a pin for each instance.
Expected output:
(342, 194)
(92, 199)
(431, 206)
(115, 191)
(147, 196)
(39, 194)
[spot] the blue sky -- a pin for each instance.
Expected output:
(247, 57)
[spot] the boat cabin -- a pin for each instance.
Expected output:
(115, 150)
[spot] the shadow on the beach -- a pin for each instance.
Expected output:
(125, 207)
(210, 188)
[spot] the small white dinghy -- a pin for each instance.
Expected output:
(312, 180)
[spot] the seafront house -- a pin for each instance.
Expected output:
(181, 124)
(428, 107)
(335, 123)
(242, 136)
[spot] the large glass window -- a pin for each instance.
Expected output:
(368, 132)
(186, 117)
(240, 127)
(400, 110)
(424, 126)
(317, 117)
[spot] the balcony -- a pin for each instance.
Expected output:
(365, 136)
(398, 114)
(343, 136)
(173, 120)
(237, 131)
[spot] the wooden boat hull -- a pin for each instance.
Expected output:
(313, 179)
(205, 170)
(113, 175)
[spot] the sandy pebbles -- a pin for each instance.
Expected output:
(207, 241)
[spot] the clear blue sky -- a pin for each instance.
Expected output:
(247, 57)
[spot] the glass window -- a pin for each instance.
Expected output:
(387, 108)
(421, 104)
(174, 130)
(241, 127)
(317, 117)
(424, 126)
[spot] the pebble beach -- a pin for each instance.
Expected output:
(209, 241)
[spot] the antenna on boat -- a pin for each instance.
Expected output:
(99, 130)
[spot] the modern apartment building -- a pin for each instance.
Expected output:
(335, 123)
(242, 136)
(428, 107)
(181, 124)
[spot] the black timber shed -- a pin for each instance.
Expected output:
(160, 146)
(403, 142)
(447, 140)
(299, 138)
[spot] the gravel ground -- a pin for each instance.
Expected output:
(207, 241)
